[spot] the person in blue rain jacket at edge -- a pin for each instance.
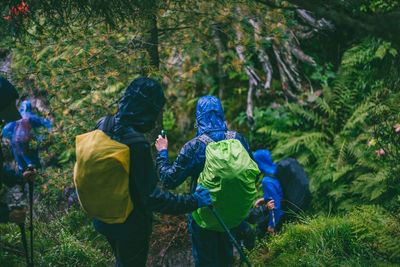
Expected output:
(24, 139)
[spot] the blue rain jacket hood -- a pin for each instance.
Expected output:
(140, 106)
(26, 109)
(26, 112)
(264, 161)
(7, 93)
(209, 115)
(22, 132)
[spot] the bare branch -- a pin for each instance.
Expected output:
(285, 69)
(251, 74)
(305, 35)
(285, 85)
(300, 55)
(262, 55)
(318, 24)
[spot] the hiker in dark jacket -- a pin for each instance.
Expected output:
(273, 194)
(8, 177)
(137, 112)
(24, 142)
(210, 248)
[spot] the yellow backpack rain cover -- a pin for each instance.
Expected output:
(101, 177)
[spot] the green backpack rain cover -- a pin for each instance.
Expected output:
(230, 175)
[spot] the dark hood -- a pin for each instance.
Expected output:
(209, 115)
(141, 104)
(8, 95)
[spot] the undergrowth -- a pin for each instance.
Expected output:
(365, 236)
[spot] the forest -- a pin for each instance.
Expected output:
(314, 80)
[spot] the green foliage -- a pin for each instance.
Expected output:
(268, 123)
(330, 137)
(83, 73)
(83, 76)
(168, 120)
(378, 6)
(363, 237)
(63, 239)
(323, 74)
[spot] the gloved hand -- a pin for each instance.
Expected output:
(29, 176)
(203, 196)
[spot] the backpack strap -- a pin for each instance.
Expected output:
(205, 139)
(108, 124)
(270, 175)
(230, 135)
(128, 139)
(133, 138)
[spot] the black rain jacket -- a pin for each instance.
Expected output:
(137, 113)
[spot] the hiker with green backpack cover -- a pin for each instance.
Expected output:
(116, 180)
(221, 161)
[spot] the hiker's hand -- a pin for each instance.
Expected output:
(161, 143)
(259, 202)
(29, 176)
(271, 205)
(271, 230)
(17, 216)
(203, 196)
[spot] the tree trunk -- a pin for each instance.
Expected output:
(221, 47)
(151, 46)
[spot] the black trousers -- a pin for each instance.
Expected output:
(132, 252)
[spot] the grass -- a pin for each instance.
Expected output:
(65, 238)
(352, 239)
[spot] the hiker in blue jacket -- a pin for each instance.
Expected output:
(24, 141)
(9, 177)
(272, 190)
(137, 113)
(210, 248)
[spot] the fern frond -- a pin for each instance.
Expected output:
(325, 107)
(370, 185)
(341, 172)
(293, 145)
(360, 54)
(308, 115)
(268, 130)
(358, 119)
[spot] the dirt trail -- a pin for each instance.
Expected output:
(170, 243)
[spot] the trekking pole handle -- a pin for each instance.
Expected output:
(163, 133)
(272, 213)
(230, 235)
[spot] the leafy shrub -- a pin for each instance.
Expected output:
(329, 135)
(363, 237)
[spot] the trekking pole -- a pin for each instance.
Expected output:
(16, 201)
(272, 213)
(31, 168)
(31, 218)
(30, 184)
(230, 235)
(23, 236)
